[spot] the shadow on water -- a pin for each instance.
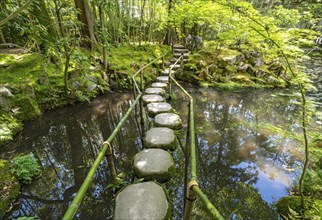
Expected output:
(243, 166)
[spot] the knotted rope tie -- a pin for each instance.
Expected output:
(190, 195)
(109, 151)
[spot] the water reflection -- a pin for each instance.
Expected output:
(66, 142)
(243, 167)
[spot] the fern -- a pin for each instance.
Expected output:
(25, 167)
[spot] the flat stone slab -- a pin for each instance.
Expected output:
(158, 107)
(163, 138)
(153, 164)
(157, 91)
(178, 46)
(180, 50)
(169, 120)
(175, 67)
(152, 98)
(139, 201)
(159, 85)
(177, 55)
(163, 79)
(166, 72)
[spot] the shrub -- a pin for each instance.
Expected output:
(25, 167)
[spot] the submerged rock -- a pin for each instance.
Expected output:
(153, 164)
(161, 138)
(142, 201)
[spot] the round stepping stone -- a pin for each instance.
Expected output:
(159, 85)
(157, 91)
(153, 164)
(161, 138)
(169, 120)
(141, 201)
(158, 107)
(152, 98)
(166, 72)
(163, 79)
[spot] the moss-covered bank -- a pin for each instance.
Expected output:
(32, 83)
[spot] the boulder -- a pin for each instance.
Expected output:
(161, 138)
(153, 164)
(142, 201)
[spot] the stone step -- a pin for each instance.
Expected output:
(152, 98)
(173, 60)
(166, 72)
(178, 46)
(163, 79)
(161, 137)
(185, 55)
(159, 85)
(180, 50)
(156, 91)
(175, 67)
(169, 120)
(158, 107)
(145, 200)
(153, 164)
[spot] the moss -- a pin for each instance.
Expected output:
(29, 108)
(316, 211)
(9, 187)
(9, 126)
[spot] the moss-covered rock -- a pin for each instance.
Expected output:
(9, 126)
(28, 108)
(9, 187)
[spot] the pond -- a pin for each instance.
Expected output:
(244, 164)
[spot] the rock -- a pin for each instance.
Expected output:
(163, 138)
(153, 164)
(157, 91)
(76, 84)
(271, 80)
(242, 67)
(158, 107)
(9, 187)
(175, 67)
(5, 104)
(260, 73)
(4, 92)
(163, 79)
(43, 80)
(91, 78)
(259, 61)
(166, 72)
(142, 201)
(169, 120)
(250, 70)
(29, 108)
(152, 98)
(159, 85)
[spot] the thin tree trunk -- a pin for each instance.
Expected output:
(15, 13)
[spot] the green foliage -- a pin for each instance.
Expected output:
(285, 18)
(9, 187)
(9, 126)
(25, 167)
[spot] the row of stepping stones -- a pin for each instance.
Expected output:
(148, 200)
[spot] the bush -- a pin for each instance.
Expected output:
(25, 167)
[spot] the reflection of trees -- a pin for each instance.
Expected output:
(232, 150)
(66, 142)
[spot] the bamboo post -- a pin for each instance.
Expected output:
(110, 160)
(162, 62)
(190, 198)
(141, 103)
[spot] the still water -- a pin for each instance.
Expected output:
(244, 165)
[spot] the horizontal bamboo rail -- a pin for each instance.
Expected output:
(193, 187)
(72, 209)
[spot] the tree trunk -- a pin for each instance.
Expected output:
(168, 35)
(87, 29)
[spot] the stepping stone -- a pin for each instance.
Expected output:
(163, 138)
(175, 67)
(141, 201)
(159, 85)
(152, 98)
(169, 120)
(180, 50)
(158, 107)
(178, 46)
(153, 164)
(166, 72)
(177, 55)
(157, 91)
(163, 79)
(173, 60)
